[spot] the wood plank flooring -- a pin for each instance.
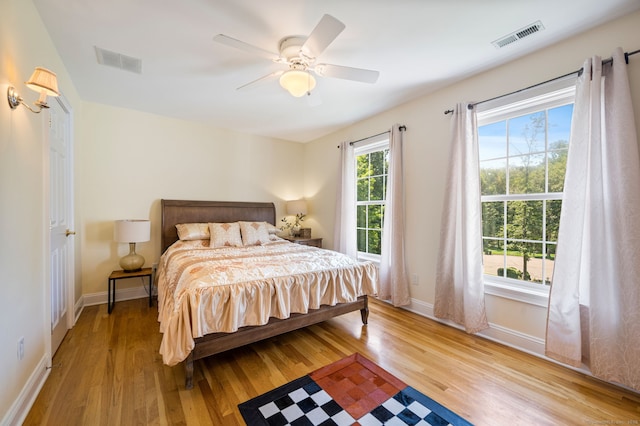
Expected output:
(108, 372)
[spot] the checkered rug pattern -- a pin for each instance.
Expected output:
(306, 401)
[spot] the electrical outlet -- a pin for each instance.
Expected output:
(414, 279)
(21, 348)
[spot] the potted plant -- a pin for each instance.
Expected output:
(293, 227)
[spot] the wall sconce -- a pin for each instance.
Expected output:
(42, 81)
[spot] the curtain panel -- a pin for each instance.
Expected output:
(459, 287)
(345, 238)
(594, 303)
(394, 283)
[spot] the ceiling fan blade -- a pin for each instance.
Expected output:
(322, 35)
(258, 80)
(347, 73)
(249, 48)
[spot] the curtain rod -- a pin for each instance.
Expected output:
(604, 62)
(402, 129)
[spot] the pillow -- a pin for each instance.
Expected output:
(273, 232)
(275, 237)
(272, 229)
(193, 231)
(225, 235)
(254, 233)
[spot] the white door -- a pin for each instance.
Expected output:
(60, 221)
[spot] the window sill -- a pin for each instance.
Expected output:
(370, 257)
(532, 296)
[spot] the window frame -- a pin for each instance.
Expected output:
(368, 146)
(555, 94)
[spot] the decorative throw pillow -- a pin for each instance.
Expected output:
(225, 235)
(254, 233)
(193, 231)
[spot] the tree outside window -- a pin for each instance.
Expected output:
(522, 166)
(371, 187)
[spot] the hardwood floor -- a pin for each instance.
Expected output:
(108, 372)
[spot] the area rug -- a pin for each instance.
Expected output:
(352, 391)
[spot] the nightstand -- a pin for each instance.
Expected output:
(315, 242)
(118, 275)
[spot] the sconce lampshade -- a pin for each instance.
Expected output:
(132, 232)
(297, 82)
(43, 80)
(296, 207)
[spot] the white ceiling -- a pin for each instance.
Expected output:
(417, 45)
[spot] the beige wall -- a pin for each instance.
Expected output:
(24, 44)
(129, 160)
(426, 157)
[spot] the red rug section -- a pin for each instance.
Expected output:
(357, 384)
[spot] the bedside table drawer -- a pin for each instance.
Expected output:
(314, 242)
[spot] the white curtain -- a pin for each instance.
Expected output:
(459, 285)
(594, 305)
(344, 238)
(394, 284)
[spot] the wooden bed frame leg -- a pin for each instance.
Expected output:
(188, 370)
(364, 312)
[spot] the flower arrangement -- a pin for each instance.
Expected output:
(294, 226)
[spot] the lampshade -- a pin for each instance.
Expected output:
(296, 207)
(132, 231)
(297, 82)
(43, 80)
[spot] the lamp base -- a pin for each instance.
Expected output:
(132, 262)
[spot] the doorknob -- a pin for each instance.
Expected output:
(67, 233)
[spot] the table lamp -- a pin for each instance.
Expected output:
(132, 232)
(297, 207)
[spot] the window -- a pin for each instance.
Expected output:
(372, 165)
(523, 153)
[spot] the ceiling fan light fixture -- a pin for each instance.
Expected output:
(297, 82)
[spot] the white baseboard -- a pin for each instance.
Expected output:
(121, 294)
(497, 333)
(21, 406)
(77, 309)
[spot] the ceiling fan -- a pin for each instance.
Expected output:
(300, 54)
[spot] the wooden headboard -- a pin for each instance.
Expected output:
(185, 211)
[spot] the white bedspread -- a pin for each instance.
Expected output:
(203, 290)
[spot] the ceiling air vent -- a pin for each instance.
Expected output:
(118, 60)
(517, 35)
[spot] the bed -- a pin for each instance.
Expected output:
(209, 301)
